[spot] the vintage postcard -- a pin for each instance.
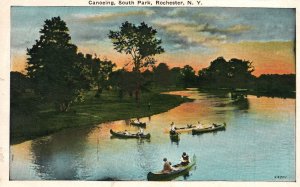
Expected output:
(130, 92)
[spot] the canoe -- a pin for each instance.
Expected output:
(139, 124)
(185, 129)
(174, 137)
(209, 129)
(180, 170)
(130, 135)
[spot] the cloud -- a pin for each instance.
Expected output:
(192, 33)
(234, 29)
(198, 15)
(110, 16)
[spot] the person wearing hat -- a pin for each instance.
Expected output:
(167, 166)
(185, 159)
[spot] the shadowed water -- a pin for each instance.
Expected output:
(258, 144)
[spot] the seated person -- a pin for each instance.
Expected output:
(185, 159)
(167, 166)
(200, 126)
(213, 126)
(141, 131)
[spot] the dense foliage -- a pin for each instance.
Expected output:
(234, 73)
(142, 44)
(55, 68)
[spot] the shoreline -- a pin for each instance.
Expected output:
(90, 113)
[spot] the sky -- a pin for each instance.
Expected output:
(193, 36)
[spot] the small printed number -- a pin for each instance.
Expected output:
(280, 177)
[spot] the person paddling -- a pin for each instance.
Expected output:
(141, 131)
(173, 128)
(185, 160)
(167, 166)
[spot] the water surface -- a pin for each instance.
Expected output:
(258, 144)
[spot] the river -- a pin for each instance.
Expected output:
(257, 145)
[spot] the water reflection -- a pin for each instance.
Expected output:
(50, 154)
(241, 104)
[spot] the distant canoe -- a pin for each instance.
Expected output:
(180, 170)
(139, 124)
(185, 129)
(209, 129)
(123, 135)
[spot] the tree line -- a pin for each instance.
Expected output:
(57, 73)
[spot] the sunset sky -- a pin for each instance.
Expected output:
(193, 36)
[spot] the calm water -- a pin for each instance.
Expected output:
(258, 144)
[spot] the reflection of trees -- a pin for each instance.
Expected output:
(237, 99)
(240, 100)
(242, 104)
(58, 157)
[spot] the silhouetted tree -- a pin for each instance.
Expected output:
(55, 68)
(235, 73)
(19, 83)
(276, 83)
(99, 72)
(123, 81)
(162, 75)
(188, 76)
(176, 77)
(140, 43)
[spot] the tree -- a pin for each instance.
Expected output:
(275, 83)
(58, 73)
(99, 72)
(123, 81)
(235, 73)
(176, 77)
(140, 43)
(162, 75)
(188, 76)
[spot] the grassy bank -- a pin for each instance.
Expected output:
(31, 124)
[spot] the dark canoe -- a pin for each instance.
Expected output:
(181, 170)
(185, 129)
(123, 135)
(139, 124)
(209, 129)
(174, 137)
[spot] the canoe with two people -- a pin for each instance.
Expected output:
(187, 128)
(211, 128)
(126, 134)
(184, 161)
(170, 172)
